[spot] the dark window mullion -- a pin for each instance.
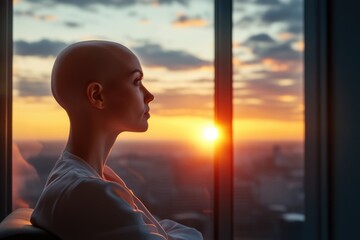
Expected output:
(223, 181)
(5, 107)
(317, 120)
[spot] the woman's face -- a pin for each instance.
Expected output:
(126, 98)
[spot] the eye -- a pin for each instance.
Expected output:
(137, 82)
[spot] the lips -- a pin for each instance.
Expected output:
(147, 110)
(147, 114)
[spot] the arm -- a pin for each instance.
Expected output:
(177, 231)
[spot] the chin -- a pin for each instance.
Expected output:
(143, 128)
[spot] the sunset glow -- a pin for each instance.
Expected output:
(210, 133)
(178, 69)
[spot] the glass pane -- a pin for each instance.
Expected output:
(269, 119)
(170, 167)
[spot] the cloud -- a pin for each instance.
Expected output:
(262, 37)
(288, 13)
(295, 27)
(41, 48)
(274, 93)
(175, 102)
(269, 87)
(265, 97)
(72, 24)
(153, 55)
(28, 88)
(88, 4)
(280, 56)
(267, 108)
(267, 2)
(275, 11)
(271, 110)
(259, 42)
(271, 95)
(284, 12)
(280, 52)
(266, 48)
(258, 2)
(270, 75)
(245, 21)
(32, 14)
(203, 80)
(144, 21)
(26, 13)
(187, 21)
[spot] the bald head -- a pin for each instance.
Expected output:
(83, 63)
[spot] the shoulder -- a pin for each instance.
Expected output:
(67, 168)
(70, 197)
(87, 204)
(99, 191)
(93, 209)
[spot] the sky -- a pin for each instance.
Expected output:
(174, 40)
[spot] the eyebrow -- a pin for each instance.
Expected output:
(139, 71)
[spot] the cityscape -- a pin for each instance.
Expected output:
(175, 181)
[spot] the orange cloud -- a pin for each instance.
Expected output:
(46, 18)
(286, 36)
(275, 65)
(285, 82)
(155, 3)
(299, 46)
(144, 21)
(287, 98)
(186, 21)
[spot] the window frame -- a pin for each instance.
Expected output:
(5, 107)
(318, 125)
(316, 118)
(223, 97)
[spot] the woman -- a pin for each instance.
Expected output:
(99, 84)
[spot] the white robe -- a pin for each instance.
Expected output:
(77, 203)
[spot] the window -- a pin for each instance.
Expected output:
(174, 43)
(196, 21)
(268, 120)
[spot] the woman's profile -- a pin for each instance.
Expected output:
(99, 84)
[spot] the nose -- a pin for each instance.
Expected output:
(148, 97)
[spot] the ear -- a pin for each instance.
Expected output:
(94, 94)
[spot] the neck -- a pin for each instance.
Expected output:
(90, 144)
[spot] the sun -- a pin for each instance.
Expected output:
(210, 133)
